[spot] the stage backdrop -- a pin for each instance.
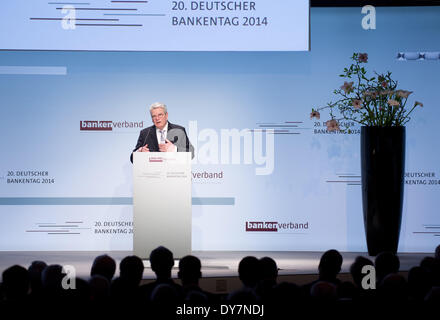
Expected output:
(69, 121)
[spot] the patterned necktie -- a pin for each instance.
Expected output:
(162, 136)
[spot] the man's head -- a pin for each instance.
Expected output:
(330, 265)
(269, 269)
(131, 269)
(386, 263)
(104, 265)
(249, 271)
(189, 270)
(15, 282)
(159, 115)
(356, 269)
(162, 261)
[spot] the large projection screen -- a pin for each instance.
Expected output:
(64, 185)
(155, 25)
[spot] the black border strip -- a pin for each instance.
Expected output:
(386, 3)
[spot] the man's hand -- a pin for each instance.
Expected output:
(143, 149)
(168, 146)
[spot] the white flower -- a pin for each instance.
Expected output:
(357, 104)
(332, 125)
(393, 103)
(403, 93)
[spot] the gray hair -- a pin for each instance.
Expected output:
(158, 105)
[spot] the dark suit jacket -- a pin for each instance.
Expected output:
(148, 136)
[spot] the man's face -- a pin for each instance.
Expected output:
(159, 118)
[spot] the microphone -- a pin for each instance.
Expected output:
(145, 140)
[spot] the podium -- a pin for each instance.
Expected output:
(162, 202)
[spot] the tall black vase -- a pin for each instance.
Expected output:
(383, 169)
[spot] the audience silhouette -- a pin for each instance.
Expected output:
(15, 283)
(189, 274)
(328, 269)
(42, 284)
(249, 275)
(386, 263)
(249, 271)
(105, 266)
(125, 288)
(162, 262)
(35, 270)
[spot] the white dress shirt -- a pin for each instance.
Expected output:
(164, 134)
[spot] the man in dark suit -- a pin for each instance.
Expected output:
(163, 136)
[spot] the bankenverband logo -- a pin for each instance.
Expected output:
(273, 226)
(108, 125)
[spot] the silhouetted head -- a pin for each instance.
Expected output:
(268, 269)
(35, 270)
(330, 265)
(356, 269)
(437, 252)
(386, 263)
(162, 262)
(189, 270)
(249, 271)
(131, 270)
(15, 282)
(267, 278)
(105, 266)
(428, 263)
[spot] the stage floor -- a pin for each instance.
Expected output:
(216, 264)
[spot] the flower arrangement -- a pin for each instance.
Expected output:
(369, 101)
